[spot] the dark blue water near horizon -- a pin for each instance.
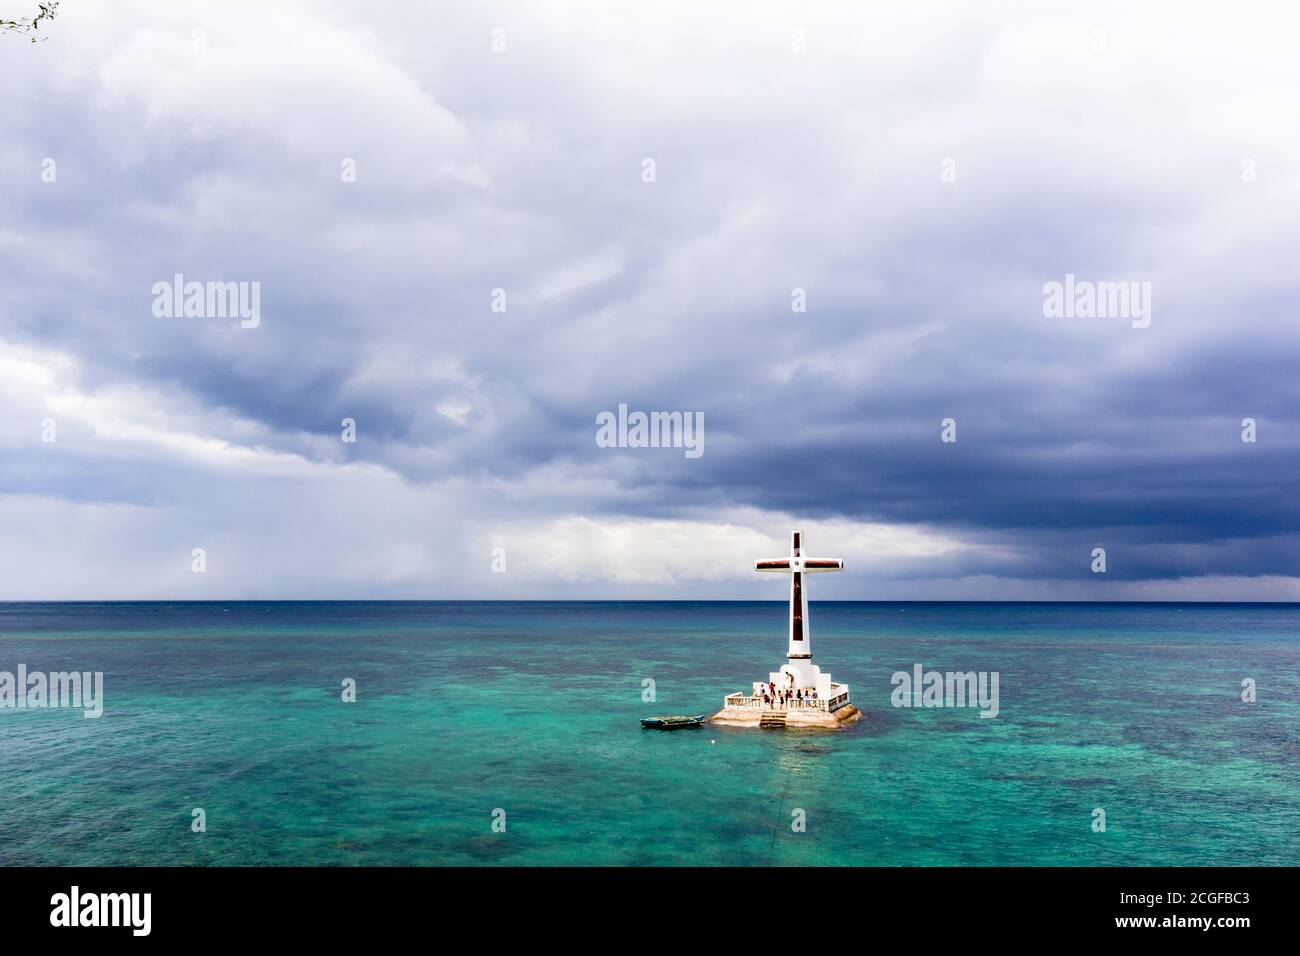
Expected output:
(527, 712)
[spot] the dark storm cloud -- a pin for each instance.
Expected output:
(522, 171)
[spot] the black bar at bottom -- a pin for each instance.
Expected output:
(739, 905)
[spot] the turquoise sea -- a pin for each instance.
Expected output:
(467, 708)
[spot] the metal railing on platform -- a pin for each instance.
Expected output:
(839, 697)
(757, 703)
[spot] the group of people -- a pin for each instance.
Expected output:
(787, 696)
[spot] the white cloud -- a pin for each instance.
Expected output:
(139, 422)
(579, 549)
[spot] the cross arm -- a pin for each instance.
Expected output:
(823, 564)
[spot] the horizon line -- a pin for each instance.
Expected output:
(6, 601)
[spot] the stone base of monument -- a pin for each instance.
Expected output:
(799, 718)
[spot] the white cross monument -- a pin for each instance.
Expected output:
(810, 698)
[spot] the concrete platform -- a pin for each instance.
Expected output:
(799, 718)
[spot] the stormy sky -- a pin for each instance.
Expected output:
(649, 185)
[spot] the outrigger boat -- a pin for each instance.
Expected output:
(672, 723)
